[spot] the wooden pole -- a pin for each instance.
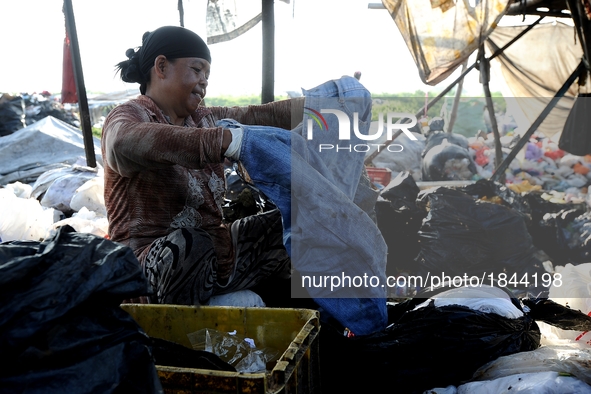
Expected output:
(268, 22)
(80, 88)
(456, 104)
(485, 79)
(181, 13)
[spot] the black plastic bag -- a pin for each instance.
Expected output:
(573, 235)
(548, 311)
(483, 188)
(559, 234)
(242, 199)
(61, 327)
(10, 117)
(549, 224)
(447, 162)
(435, 139)
(462, 236)
(172, 354)
(436, 124)
(575, 137)
(422, 349)
(402, 191)
(399, 220)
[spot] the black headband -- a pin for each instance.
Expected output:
(172, 42)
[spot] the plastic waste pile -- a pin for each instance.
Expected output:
(441, 156)
(541, 165)
(446, 156)
(465, 236)
(482, 227)
(561, 363)
(42, 146)
(17, 112)
(242, 353)
(72, 195)
(45, 183)
(476, 327)
(61, 324)
(23, 217)
(470, 231)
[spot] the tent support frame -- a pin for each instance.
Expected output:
(500, 170)
(456, 102)
(432, 102)
(485, 78)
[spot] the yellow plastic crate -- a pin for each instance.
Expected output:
(291, 331)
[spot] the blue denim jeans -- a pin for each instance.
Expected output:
(319, 194)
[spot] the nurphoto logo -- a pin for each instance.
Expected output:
(344, 125)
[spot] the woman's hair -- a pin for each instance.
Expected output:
(171, 41)
(130, 70)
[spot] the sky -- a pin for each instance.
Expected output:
(315, 40)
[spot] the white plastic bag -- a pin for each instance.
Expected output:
(528, 383)
(564, 359)
(23, 218)
(233, 349)
(21, 190)
(58, 186)
(408, 159)
(573, 290)
(485, 299)
(85, 221)
(90, 195)
(60, 192)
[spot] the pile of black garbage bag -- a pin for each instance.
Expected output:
(451, 231)
(17, 112)
(62, 329)
(399, 220)
(481, 229)
(434, 346)
(560, 230)
(465, 236)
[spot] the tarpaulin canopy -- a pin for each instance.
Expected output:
(44, 145)
(442, 34)
(227, 20)
(534, 74)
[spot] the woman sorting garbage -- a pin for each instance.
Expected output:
(164, 155)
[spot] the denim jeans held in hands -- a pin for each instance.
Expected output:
(325, 232)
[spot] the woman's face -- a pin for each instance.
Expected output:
(187, 84)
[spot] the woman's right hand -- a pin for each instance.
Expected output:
(226, 140)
